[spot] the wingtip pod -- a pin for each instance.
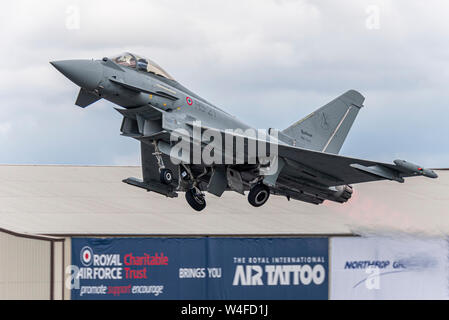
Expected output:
(413, 168)
(434, 175)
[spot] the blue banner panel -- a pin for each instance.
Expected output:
(260, 268)
(199, 268)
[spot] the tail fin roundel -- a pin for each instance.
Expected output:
(326, 129)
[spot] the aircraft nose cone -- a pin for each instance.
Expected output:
(85, 73)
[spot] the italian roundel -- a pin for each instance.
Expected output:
(189, 101)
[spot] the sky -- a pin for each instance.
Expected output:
(268, 62)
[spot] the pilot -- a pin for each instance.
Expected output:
(126, 60)
(142, 64)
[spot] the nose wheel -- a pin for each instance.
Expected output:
(259, 195)
(196, 199)
(166, 176)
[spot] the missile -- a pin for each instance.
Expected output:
(415, 169)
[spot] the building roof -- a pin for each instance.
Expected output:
(83, 200)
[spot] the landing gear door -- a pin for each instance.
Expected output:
(218, 182)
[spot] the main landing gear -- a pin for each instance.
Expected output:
(194, 196)
(259, 195)
(196, 199)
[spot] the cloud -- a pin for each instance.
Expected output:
(5, 128)
(268, 62)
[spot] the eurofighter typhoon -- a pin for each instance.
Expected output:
(189, 145)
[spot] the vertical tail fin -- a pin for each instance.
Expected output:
(326, 129)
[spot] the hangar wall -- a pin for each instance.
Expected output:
(31, 266)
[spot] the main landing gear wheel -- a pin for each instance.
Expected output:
(259, 195)
(196, 199)
(166, 176)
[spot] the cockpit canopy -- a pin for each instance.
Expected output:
(142, 64)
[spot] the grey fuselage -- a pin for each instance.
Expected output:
(198, 110)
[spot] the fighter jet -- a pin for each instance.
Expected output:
(301, 162)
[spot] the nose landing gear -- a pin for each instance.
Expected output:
(166, 176)
(259, 195)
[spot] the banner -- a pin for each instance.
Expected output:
(386, 268)
(199, 268)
